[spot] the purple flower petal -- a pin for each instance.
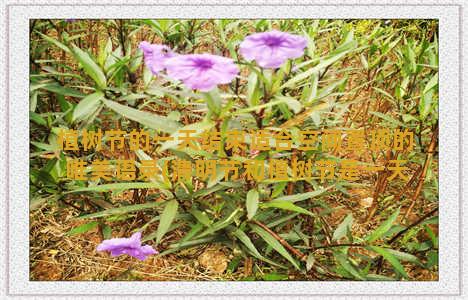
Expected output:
(155, 56)
(130, 246)
(271, 49)
(201, 71)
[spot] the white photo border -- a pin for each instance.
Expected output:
(17, 39)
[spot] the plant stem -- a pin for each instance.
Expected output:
(422, 176)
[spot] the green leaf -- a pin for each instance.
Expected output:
(201, 217)
(433, 82)
(121, 210)
(391, 259)
(291, 102)
(90, 67)
(342, 259)
(275, 277)
(383, 228)
(434, 238)
(106, 232)
(343, 228)
(322, 65)
(387, 118)
(425, 104)
(54, 42)
(432, 258)
(378, 277)
(310, 262)
(251, 247)
(167, 216)
(303, 196)
(253, 93)
(83, 228)
(270, 240)
(252, 203)
(220, 224)
(213, 101)
(104, 51)
(45, 147)
(278, 189)
(153, 121)
(36, 118)
(404, 256)
(87, 106)
(116, 186)
(285, 205)
(246, 241)
(61, 90)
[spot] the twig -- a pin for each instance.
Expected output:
(381, 184)
(402, 232)
(430, 153)
(419, 221)
(296, 252)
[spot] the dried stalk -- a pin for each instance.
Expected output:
(422, 176)
(380, 185)
(296, 252)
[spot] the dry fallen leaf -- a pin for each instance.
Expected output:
(366, 202)
(213, 260)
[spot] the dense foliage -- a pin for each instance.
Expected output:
(353, 74)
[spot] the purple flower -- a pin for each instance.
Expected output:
(155, 56)
(271, 49)
(201, 71)
(130, 246)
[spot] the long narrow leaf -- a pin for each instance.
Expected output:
(270, 240)
(167, 216)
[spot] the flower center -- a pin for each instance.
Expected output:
(273, 41)
(203, 63)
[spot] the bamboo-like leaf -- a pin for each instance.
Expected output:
(58, 89)
(310, 262)
(121, 210)
(343, 228)
(87, 106)
(425, 104)
(270, 240)
(303, 196)
(83, 228)
(387, 118)
(201, 217)
(90, 67)
(433, 82)
(291, 102)
(285, 205)
(220, 224)
(213, 101)
(167, 216)
(116, 186)
(251, 203)
(404, 256)
(148, 119)
(383, 228)
(322, 65)
(54, 42)
(247, 242)
(342, 259)
(391, 259)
